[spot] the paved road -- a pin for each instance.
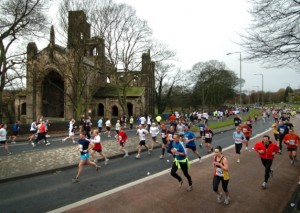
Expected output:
(50, 191)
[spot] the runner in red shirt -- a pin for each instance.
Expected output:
(247, 130)
(122, 137)
(292, 140)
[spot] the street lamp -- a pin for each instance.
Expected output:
(240, 74)
(257, 89)
(262, 88)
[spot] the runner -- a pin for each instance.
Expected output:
(190, 141)
(239, 138)
(164, 138)
(247, 132)
(180, 162)
(221, 175)
(283, 130)
(97, 147)
(84, 146)
(202, 135)
(292, 140)
(275, 130)
(141, 132)
(3, 134)
(72, 129)
(122, 137)
(266, 150)
(154, 131)
(33, 129)
(208, 135)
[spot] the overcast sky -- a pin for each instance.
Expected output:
(202, 30)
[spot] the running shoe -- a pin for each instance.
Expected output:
(126, 154)
(264, 185)
(75, 180)
(33, 144)
(63, 140)
(106, 161)
(220, 198)
(48, 143)
(161, 157)
(226, 201)
(180, 184)
(189, 188)
(9, 153)
(238, 161)
(137, 156)
(271, 173)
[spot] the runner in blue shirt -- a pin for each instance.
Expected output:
(180, 162)
(84, 146)
(190, 141)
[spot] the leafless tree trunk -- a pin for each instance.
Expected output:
(19, 19)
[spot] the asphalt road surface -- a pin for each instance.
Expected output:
(43, 193)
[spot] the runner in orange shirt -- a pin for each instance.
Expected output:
(292, 140)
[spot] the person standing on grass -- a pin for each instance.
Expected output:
(84, 146)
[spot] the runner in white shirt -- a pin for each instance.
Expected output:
(154, 131)
(141, 132)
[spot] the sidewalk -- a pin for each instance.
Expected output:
(160, 193)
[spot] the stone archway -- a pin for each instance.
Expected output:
(100, 109)
(130, 109)
(53, 95)
(115, 111)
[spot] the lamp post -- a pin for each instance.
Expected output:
(262, 88)
(257, 89)
(240, 74)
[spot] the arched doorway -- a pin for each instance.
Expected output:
(23, 109)
(130, 109)
(100, 109)
(53, 95)
(115, 111)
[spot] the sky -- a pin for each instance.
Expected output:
(202, 30)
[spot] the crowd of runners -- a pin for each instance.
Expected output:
(176, 139)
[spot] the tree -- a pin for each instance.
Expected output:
(19, 19)
(287, 92)
(273, 35)
(166, 79)
(213, 83)
(126, 38)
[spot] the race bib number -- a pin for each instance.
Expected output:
(219, 172)
(292, 142)
(207, 135)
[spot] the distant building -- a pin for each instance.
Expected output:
(50, 79)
